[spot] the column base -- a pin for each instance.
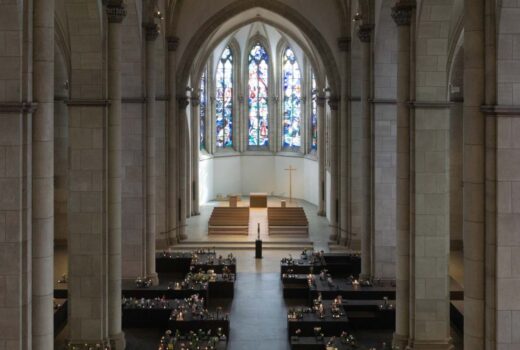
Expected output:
(400, 341)
(321, 212)
(155, 278)
(162, 243)
(87, 344)
(343, 241)
(118, 341)
(182, 236)
(431, 345)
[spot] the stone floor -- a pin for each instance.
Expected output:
(258, 310)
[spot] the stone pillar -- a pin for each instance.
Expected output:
(183, 140)
(456, 146)
(43, 177)
(344, 127)
(173, 144)
(15, 216)
(151, 34)
(195, 146)
(401, 14)
(334, 178)
(491, 206)
(474, 175)
(430, 281)
(320, 101)
(364, 34)
(116, 13)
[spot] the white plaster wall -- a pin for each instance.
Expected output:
(227, 176)
(206, 176)
(311, 181)
(254, 173)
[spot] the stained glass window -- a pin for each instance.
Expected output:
(314, 114)
(257, 99)
(203, 104)
(224, 100)
(292, 95)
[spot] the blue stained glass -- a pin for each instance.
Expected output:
(258, 96)
(203, 103)
(314, 115)
(292, 89)
(224, 100)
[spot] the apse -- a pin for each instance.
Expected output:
(257, 115)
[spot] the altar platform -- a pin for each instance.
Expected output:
(197, 229)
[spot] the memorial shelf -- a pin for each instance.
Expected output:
(193, 341)
(337, 264)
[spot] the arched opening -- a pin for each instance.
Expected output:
(257, 77)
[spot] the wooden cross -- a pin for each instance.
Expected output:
(290, 170)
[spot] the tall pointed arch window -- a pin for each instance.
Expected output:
(203, 106)
(258, 85)
(224, 100)
(314, 114)
(292, 97)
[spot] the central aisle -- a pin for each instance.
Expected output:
(258, 313)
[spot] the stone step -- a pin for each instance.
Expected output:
(280, 245)
(334, 247)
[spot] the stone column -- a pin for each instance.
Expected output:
(43, 177)
(491, 204)
(364, 34)
(116, 13)
(238, 140)
(151, 34)
(320, 101)
(173, 144)
(183, 139)
(334, 167)
(474, 175)
(401, 14)
(344, 140)
(195, 146)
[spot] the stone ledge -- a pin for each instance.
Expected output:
(17, 107)
(501, 111)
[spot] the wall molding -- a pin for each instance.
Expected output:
(382, 101)
(501, 111)
(142, 100)
(429, 105)
(88, 103)
(17, 107)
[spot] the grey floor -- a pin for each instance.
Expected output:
(258, 310)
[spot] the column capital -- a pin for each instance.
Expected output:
(334, 103)
(402, 13)
(116, 12)
(183, 102)
(195, 100)
(344, 43)
(173, 43)
(151, 31)
(365, 33)
(320, 101)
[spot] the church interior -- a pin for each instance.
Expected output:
(259, 174)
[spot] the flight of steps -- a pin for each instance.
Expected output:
(286, 244)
